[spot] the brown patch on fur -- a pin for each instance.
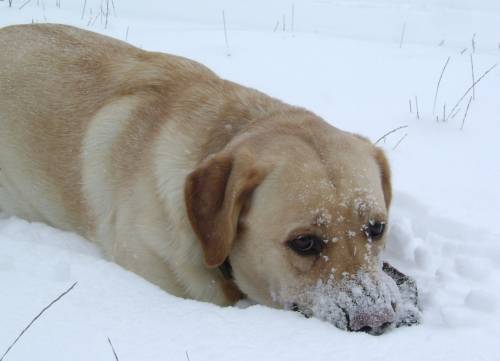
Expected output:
(215, 195)
(232, 293)
(385, 173)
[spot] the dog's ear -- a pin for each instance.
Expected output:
(215, 194)
(385, 171)
(385, 175)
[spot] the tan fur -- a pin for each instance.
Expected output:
(171, 169)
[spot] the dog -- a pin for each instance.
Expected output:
(210, 190)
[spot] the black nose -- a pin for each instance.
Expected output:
(375, 331)
(374, 322)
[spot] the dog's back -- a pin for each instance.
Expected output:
(54, 80)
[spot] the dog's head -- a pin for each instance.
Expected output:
(301, 214)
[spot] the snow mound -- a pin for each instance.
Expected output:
(37, 263)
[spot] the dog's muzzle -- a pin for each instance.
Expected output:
(363, 304)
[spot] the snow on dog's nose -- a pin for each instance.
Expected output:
(371, 302)
(363, 302)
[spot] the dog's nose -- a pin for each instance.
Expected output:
(374, 322)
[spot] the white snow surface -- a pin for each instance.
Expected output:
(345, 61)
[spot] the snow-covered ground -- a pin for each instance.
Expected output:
(358, 64)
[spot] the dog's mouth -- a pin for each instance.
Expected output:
(358, 304)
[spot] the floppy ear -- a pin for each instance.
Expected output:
(385, 174)
(385, 171)
(215, 194)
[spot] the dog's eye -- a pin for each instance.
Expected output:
(374, 229)
(307, 245)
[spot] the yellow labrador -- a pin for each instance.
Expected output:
(209, 189)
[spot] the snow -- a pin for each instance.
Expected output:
(342, 60)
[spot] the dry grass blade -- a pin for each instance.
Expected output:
(465, 115)
(276, 26)
(416, 106)
(471, 87)
(107, 14)
(24, 4)
(36, 318)
(403, 31)
(113, 349)
(438, 84)
(225, 29)
(390, 132)
(84, 8)
(473, 77)
(400, 140)
(452, 116)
